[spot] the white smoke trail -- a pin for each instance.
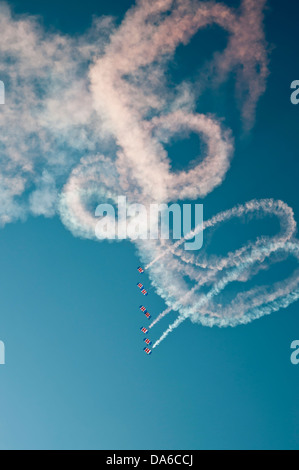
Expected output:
(263, 206)
(90, 123)
(87, 96)
(212, 267)
(286, 295)
(205, 298)
(169, 330)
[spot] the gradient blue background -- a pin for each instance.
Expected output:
(75, 376)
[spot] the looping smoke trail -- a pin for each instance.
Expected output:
(281, 297)
(93, 116)
(211, 269)
(127, 84)
(139, 49)
(264, 207)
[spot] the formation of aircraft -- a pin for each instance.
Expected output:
(143, 290)
(146, 313)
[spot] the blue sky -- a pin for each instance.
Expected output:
(75, 375)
